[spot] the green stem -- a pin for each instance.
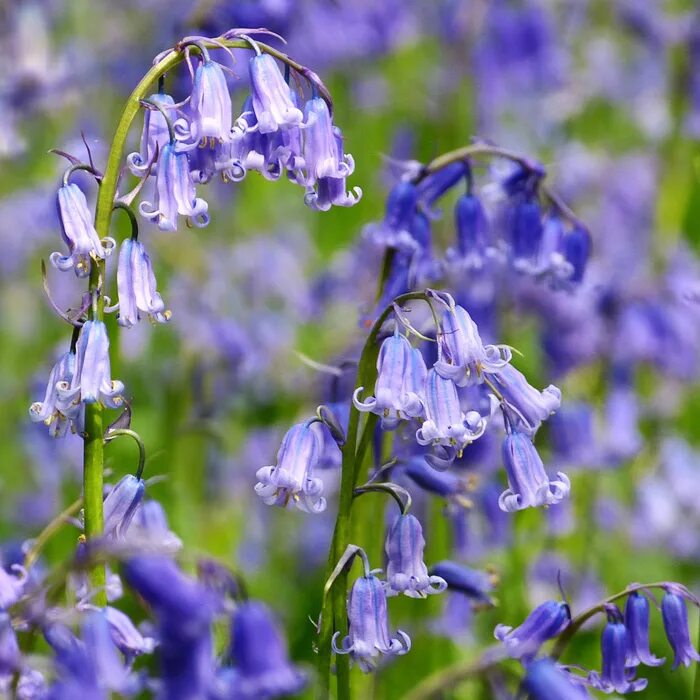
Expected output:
(49, 531)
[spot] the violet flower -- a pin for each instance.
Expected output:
(406, 572)
(125, 636)
(48, 411)
(322, 158)
(546, 680)
(476, 585)
(121, 504)
(637, 624)
(472, 235)
(210, 103)
(272, 100)
(401, 375)
(369, 635)
(291, 479)
(545, 622)
(675, 617)
(154, 136)
(395, 229)
(136, 286)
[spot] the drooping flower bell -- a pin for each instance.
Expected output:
(78, 232)
(92, 380)
(529, 485)
(121, 504)
(546, 680)
(398, 391)
(10, 655)
(472, 235)
(675, 617)
(291, 479)
(545, 622)
(406, 572)
(272, 100)
(637, 624)
(48, 411)
(259, 653)
(175, 192)
(12, 585)
(526, 234)
(136, 286)
(321, 156)
(394, 231)
(441, 483)
(154, 137)
(210, 103)
(368, 635)
(462, 357)
(476, 585)
(577, 250)
(125, 636)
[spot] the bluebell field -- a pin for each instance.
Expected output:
(350, 349)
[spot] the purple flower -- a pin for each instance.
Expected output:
(577, 249)
(675, 617)
(475, 584)
(78, 232)
(210, 103)
(292, 477)
(322, 159)
(462, 357)
(259, 653)
(10, 655)
(136, 285)
(445, 422)
(436, 185)
(155, 135)
(48, 411)
(637, 623)
(121, 504)
(272, 101)
(530, 406)
(406, 572)
(546, 680)
(395, 230)
(149, 530)
(472, 234)
(175, 192)
(369, 626)
(125, 636)
(529, 485)
(441, 483)
(401, 374)
(526, 233)
(545, 622)
(92, 380)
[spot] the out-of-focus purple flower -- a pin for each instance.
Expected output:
(259, 653)
(395, 229)
(149, 530)
(526, 234)
(572, 434)
(675, 617)
(10, 655)
(155, 135)
(477, 585)
(136, 285)
(125, 636)
(406, 572)
(175, 192)
(440, 483)
(210, 103)
(546, 680)
(92, 378)
(623, 439)
(272, 100)
(291, 479)
(529, 484)
(462, 356)
(436, 185)
(637, 624)
(545, 622)
(369, 626)
(78, 232)
(398, 391)
(48, 411)
(577, 250)
(121, 504)
(472, 235)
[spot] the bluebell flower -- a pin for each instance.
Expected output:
(154, 136)
(546, 680)
(675, 617)
(545, 622)
(136, 286)
(431, 188)
(175, 192)
(210, 103)
(529, 485)
(259, 653)
(615, 677)
(637, 624)
(477, 585)
(31, 685)
(125, 636)
(78, 232)
(441, 483)
(369, 635)
(10, 655)
(394, 231)
(149, 530)
(398, 391)
(577, 250)
(48, 411)
(472, 235)
(92, 380)
(446, 424)
(406, 572)
(526, 234)
(529, 405)
(291, 479)
(271, 96)
(121, 504)
(462, 356)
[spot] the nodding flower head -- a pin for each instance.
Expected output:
(136, 286)
(78, 232)
(445, 422)
(175, 192)
(125, 636)
(92, 378)
(259, 653)
(529, 406)
(525, 233)
(155, 135)
(544, 622)
(121, 504)
(48, 410)
(675, 617)
(401, 374)
(546, 680)
(210, 103)
(369, 635)
(472, 234)
(406, 572)
(12, 585)
(272, 101)
(577, 250)
(440, 483)
(10, 655)
(529, 484)
(462, 357)
(395, 230)
(476, 585)
(291, 479)
(637, 623)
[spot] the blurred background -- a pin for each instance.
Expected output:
(605, 93)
